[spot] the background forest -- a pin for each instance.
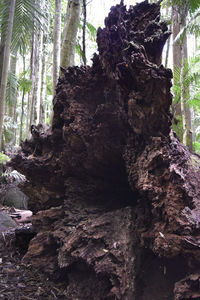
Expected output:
(39, 36)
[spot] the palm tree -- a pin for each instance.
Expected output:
(26, 18)
(5, 67)
(183, 14)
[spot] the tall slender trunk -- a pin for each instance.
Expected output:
(43, 83)
(36, 77)
(12, 106)
(29, 102)
(28, 116)
(48, 114)
(182, 98)
(5, 68)
(84, 31)
(2, 43)
(182, 115)
(69, 33)
(39, 73)
(22, 116)
(168, 41)
(2, 46)
(15, 121)
(185, 109)
(176, 51)
(22, 104)
(184, 56)
(56, 43)
(33, 59)
(193, 112)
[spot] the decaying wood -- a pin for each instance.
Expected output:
(116, 193)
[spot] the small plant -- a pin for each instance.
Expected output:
(3, 158)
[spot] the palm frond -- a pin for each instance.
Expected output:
(11, 88)
(28, 17)
(192, 5)
(191, 82)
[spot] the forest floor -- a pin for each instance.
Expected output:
(19, 281)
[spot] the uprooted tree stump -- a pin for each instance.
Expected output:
(117, 195)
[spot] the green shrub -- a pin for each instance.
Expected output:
(3, 158)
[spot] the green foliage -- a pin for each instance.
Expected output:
(11, 88)
(48, 120)
(192, 5)
(28, 17)
(9, 128)
(3, 158)
(191, 82)
(24, 83)
(4, 13)
(196, 146)
(92, 31)
(79, 50)
(49, 85)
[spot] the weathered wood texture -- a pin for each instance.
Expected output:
(117, 193)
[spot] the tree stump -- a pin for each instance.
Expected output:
(117, 195)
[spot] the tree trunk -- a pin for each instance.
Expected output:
(176, 107)
(28, 116)
(30, 104)
(2, 42)
(43, 84)
(182, 100)
(33, 79)
(38, 78)
(22, 104)
(15, 121)
(168, 41)
(12, 106)
(118, 193)
(179, 59)
(22, 116)
(188, 133)
(5, 68)
(56, 43)
(69, 33)
(1, 57)
(36, 75)
(84, 31)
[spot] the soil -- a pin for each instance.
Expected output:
(20, 281)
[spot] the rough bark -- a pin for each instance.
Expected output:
(117, 193)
